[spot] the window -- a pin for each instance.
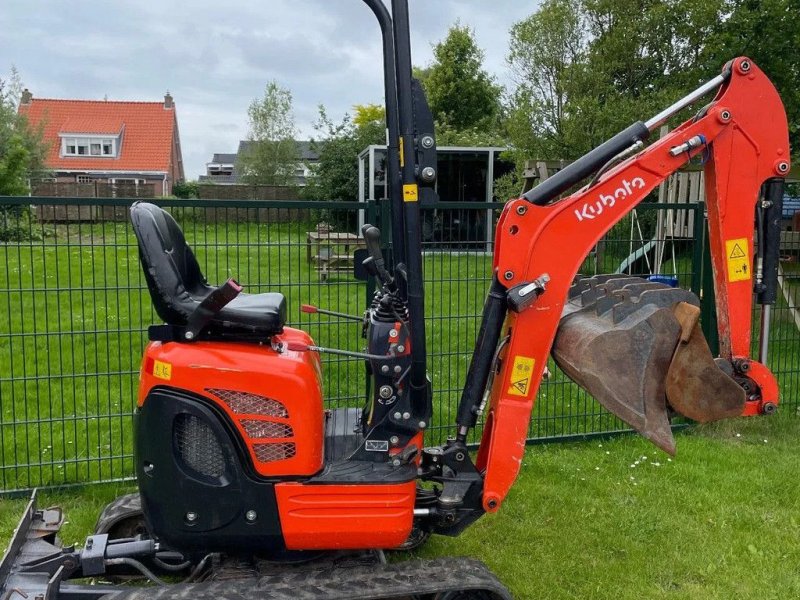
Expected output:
(89, 146)
(85, 179)
(125, 186)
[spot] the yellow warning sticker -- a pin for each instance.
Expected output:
(410, 192)
(162, 370)
(738, 258)
(521, 374)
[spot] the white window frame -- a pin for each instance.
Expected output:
(137, 181)
(76, 141)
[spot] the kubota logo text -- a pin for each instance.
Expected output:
(595, 209)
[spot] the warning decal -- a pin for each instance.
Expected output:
(410, 192)
(738, 259)
(162, 370)
(521, 373)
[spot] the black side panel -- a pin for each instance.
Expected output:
(195, 493)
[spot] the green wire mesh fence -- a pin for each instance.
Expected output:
(74, 312)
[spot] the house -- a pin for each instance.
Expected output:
(222, 168)
(131, 144)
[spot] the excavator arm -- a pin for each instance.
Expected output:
(541, 242)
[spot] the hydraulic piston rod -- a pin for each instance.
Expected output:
(687, 100)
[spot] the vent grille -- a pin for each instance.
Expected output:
(243, 403)
(271, 452)
(266, 429)
(198, 446)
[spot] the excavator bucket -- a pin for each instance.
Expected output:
(637, 347)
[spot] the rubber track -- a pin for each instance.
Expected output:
(378, 582)
(121, 508)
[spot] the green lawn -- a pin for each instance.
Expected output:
(598, 520)
(75, 310)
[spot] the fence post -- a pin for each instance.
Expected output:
(708, 304)
(698, 240)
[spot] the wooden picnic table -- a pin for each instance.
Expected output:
(332, 251)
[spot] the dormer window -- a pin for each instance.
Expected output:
(102, 146)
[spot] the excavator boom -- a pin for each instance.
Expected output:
(628, 346)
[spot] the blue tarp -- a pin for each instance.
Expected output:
(791, 205)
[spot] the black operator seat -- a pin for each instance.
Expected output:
(180, 293)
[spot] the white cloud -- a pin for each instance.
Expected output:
(215, 58)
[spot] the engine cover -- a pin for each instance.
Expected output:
(217, 425)
(272, 399)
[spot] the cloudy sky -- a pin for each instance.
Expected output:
(215, 57)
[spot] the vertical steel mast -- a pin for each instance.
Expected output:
(393, 148)
(410, 201)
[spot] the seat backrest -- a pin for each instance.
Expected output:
(173, 276)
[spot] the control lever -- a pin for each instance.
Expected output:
(300, 347)
(313, 310)
(372, 237)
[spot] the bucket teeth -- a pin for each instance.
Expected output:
(637, 348)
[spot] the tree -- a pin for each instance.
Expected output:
(587, 69)
(460, 92)
(271, 155)
(338, 145)
(545, 48)
(369, 115)
(22, 155)
(767, 32)
(22, 151)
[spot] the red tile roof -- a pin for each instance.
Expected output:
(146, 140)
(108, 125)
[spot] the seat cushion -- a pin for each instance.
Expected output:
(263, 312)
(178, 286)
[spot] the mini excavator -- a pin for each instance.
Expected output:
(248, 487)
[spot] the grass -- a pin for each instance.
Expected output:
(598, 520)
(721, 520)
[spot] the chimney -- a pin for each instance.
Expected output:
(25, 97)
(168, 103)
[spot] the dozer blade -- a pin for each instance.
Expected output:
(632, 344)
